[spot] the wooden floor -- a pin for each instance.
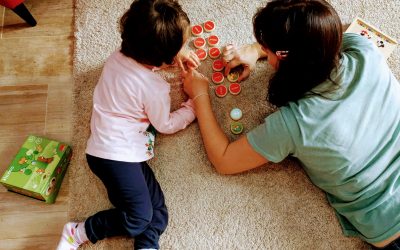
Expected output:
(35, 98)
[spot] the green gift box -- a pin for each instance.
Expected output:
(38, 168)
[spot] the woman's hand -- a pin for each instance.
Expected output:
(194, 83)
(189, 58)
(246, 56)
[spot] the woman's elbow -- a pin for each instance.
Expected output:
(223, 171)
(222, 168)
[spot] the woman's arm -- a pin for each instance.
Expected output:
(227, 158)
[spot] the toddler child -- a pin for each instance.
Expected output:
(129, 102)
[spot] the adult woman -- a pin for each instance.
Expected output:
(339, 114)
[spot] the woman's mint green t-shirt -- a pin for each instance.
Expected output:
(348, 141)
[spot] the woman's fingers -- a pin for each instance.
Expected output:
(230, 65)
(245, 73)
(228, 53)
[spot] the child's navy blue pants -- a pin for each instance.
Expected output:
(140, 210)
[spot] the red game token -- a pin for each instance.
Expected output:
(201, 54)
(199, 42)
(218, 65)
(209, 26)
(235, 88)
(217, 77)
(213, 40)
(214, 52)
(221, 91)
(197, 30)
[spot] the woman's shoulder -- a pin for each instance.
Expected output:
(355, 44)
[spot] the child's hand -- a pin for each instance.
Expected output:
(194, 83)
(189, 58)
(246, 56)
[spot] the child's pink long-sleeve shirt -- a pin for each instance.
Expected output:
(127, 98)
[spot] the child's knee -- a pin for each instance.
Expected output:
(136, 224)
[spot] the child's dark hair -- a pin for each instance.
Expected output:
(153, 31)
(311, 32)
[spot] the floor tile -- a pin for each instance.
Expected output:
(2, 10)
(59, 110)
(42, 56)
(22, 112)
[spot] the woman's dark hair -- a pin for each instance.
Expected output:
(153, 31)
(311, 32)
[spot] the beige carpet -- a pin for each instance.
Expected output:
(273, 207)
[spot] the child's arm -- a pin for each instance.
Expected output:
(189, 58)
(163, 120)
(227, 157)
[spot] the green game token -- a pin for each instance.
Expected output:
(236, 128)
(233, 76)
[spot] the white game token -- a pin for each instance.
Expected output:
(236, 114)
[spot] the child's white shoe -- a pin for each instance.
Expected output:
(73, 236)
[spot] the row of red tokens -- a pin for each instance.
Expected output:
(217, 77)
(200, 42)
(217, 65)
